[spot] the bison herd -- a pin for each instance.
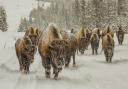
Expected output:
(56, 47)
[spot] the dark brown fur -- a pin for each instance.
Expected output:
(72, 47)
(34, 35)
(94, 43)
(81, 38)
(108, 46)
(120, 35)
(51, 50)
(25, 53)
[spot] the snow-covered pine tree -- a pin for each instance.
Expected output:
(98, 9)
(23, 25)
(82, 12)
(76, 12)
(3, 19)
(121, 7)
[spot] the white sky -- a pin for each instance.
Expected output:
(16, 9)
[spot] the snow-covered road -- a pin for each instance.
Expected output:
(92, 72)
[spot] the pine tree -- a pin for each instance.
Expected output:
(82, 12)
(76, 12)
(98, 9)
(121, 7)
(23, 25)
(3, 19)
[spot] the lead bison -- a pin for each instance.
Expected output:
(52, 51)
(25, 53)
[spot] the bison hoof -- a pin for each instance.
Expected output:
(47, 75)
(74, 65)
(32, 61)
(56, 77)
(21, 70)
(66, 66)
(26, 72)
(60, 69)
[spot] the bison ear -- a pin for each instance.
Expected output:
(31, 30)
(27, 32)
(37, 31)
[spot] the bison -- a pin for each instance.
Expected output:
(97, 31)
(108, 47)
(52, 51)
(72, 47)
(94, 43)
(34, 35)
(120, 35)
(81, 40)
(25, 53)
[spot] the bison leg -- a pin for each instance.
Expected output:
(47, 68)
(121, 41)
(107, 59)
(47, 72)
(56, 72)
(26, 65)
(74, 62)
(96, 51)
(92, 51)
(32, 59)
(82, 51)
(105, 53)
(21, 65)
(110, 60)
(67, 61)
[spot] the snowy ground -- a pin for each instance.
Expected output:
(92, 72)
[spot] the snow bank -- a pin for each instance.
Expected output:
(7, 39)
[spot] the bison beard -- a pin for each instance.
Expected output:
(26, 58)
(58, 53)
(82, 45)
